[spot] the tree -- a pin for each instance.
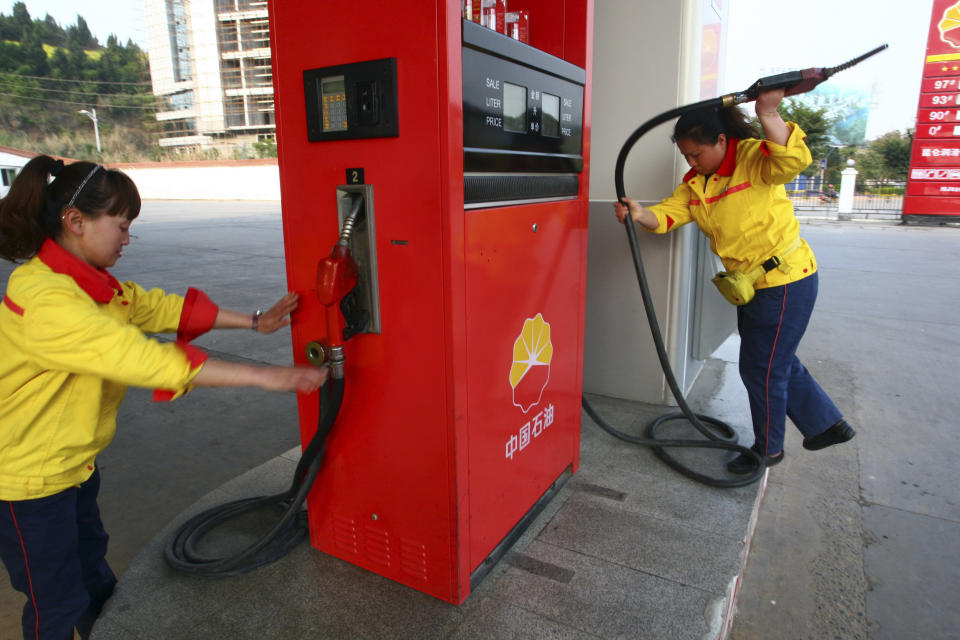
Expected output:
(61, 65)
(887, 157)
(815, 124)
(23, 25)
(79, 35)
(78, 59)
(84, 36)
(836, 163)
(50, 32)
(33, 57)
(42, 91)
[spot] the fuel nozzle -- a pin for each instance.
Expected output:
(337, 275)
(794, 82)
(356, 212)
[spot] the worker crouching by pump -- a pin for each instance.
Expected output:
(734, 192)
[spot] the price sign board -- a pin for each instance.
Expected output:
(937, 85)
(938, 116)
(938, 130)
(939, 100)
(935, 152)
(933, 184)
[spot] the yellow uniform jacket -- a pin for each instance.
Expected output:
(743, 208)
(71, 341)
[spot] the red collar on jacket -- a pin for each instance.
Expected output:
(729, 161)
(98, 283)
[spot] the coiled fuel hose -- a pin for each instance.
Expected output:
(182, 551)
(726, 438)
(792, 82)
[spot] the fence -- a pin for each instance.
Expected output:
(872, 198)
(879, 196)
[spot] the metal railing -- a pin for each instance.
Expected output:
(813, 200)
(882, 197)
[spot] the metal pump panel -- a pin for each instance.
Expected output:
(462, 341)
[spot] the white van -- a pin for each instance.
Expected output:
(11, 161)
(7, 174)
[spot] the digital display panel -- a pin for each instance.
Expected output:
(333, 97)
(550, 108)
(333, 86)
(492, 142)
(515, 108)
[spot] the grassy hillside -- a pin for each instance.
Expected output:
(48, 73)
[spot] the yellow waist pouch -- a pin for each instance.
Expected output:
(737, 287)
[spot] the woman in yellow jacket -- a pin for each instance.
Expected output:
(734, 192)
(72, 338)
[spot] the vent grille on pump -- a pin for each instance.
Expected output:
(377, 546)
(345, 536)
(413, 559)
(499, 188)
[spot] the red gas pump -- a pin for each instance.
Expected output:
(459, 157)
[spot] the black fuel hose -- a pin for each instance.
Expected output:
(728, 438)
(181, 551)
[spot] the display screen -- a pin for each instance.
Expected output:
(333, 97)
(332, 86)
(550, 107)
(514, 108)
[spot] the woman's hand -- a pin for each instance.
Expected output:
(637, 213)
(297, 378)
(768, 101)
(620, 210)
(774, 128)
(278, 316)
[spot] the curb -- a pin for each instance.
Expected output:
(733, 590)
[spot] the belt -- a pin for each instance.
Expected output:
(774, 262)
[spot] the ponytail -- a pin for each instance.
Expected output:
(21, 212)
(704, 126)
(32, 210)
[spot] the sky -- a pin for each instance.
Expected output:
(121, 17)
(764, 36)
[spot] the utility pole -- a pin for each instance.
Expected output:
(92, 114)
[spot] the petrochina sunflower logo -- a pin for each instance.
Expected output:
(530, 371)
(949, 26)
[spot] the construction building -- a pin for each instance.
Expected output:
(211, 73)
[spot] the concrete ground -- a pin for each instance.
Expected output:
(856, 541)
(864, 541)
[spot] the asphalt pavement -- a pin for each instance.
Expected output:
(864, 541)
(856, 541)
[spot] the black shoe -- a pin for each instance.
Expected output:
(840, 432)
(745, 463)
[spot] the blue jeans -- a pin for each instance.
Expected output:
(55, 549)
(778, 385)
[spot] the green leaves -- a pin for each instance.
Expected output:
(815, 123)
(887, 157)
(48, 73)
